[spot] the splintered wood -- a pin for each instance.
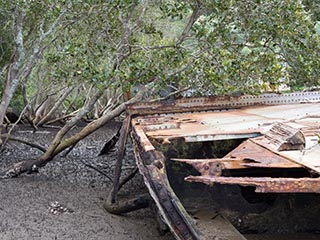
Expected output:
(284, 137)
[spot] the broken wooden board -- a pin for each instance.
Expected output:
(285, 137)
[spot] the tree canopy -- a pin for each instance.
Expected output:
(84, 59)
(227, 46)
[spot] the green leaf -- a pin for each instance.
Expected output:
(246, 51)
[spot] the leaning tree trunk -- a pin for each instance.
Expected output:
(59, 144)
(56, 106)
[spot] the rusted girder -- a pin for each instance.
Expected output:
(226, 102)
(265, 184)
(214, 167)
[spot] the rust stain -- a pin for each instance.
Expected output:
(247, 122)
(214, 167)
(260, 157)
(265, 184)
(220, 118)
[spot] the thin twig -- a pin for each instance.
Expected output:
(62, 118)
(171, 94)
(128, 177)
(98, 170)
(51, 126)
(11, 129)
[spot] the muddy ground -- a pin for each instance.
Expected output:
(25, 201)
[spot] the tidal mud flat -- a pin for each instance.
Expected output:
(26, 203)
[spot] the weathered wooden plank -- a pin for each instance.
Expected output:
(284, 137)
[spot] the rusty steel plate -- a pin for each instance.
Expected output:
(246, 122)
(257, 156)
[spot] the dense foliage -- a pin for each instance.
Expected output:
(72, 60)
(231, 46)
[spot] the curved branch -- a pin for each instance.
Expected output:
(135, 203)
(193, 18)
(34, 145)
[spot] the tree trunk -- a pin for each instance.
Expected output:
(58, 144)
(55, 107)
(17, 59)
(17, 69)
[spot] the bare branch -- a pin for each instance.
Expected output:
(54, 25)
(96, 169)
(51, 152)
(63, 117)
(37, 47)
(34, 145)
(56, 106)
(193, 18)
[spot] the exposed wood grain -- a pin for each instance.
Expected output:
(284, 137)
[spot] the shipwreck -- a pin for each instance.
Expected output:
(196, 154)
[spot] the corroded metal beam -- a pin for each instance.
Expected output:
(213, 167)
(265, 184)
(216, 103)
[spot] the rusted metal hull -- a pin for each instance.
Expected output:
(151, 165)
(279, 132)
